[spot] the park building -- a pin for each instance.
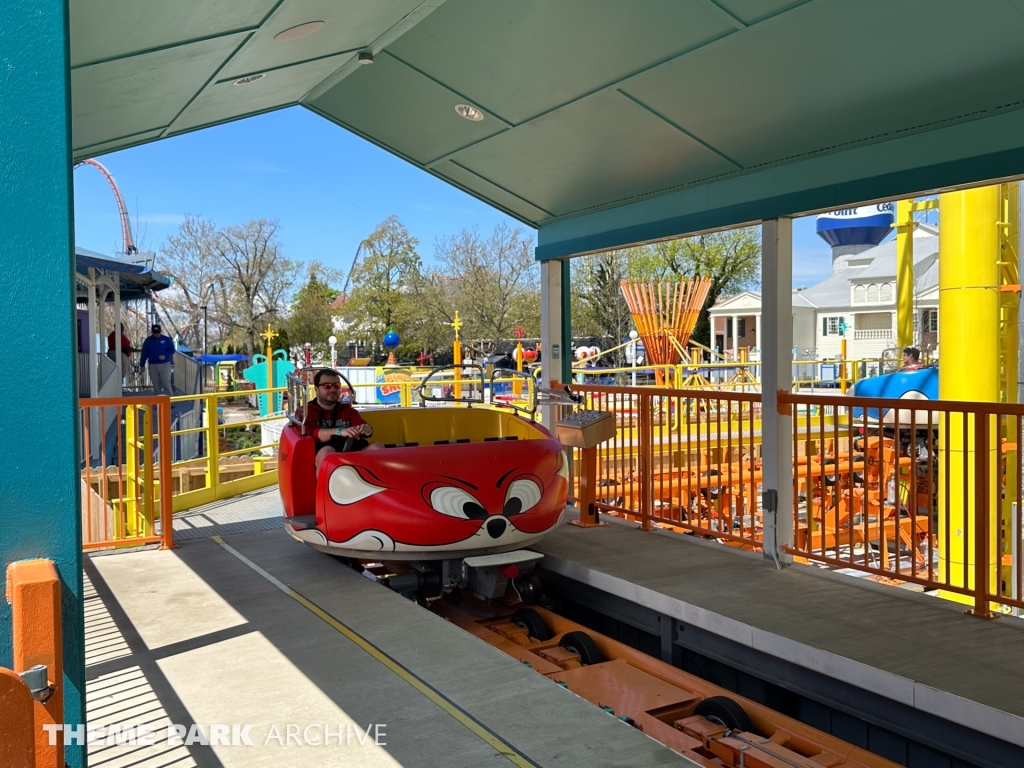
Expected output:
(856, 302)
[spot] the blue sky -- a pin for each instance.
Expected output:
(327, 187)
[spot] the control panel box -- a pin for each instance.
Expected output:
(585, 429)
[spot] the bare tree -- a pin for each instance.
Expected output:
(255, 279)
(493, 282)
(191, 258)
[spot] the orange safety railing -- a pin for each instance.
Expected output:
(690, 459)
(916, 491)
(126, 471)
(17, 726)
(32, 695)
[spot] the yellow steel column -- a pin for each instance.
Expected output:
(969, 369)
(1009, 298)
(457, 357)
(144, 523)
(212, 445)
(904, 274)
(842, 357)
(1009, 295)
(129, 509)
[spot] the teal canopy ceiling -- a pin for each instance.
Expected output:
(605, 122)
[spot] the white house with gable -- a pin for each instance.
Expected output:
(859, 296)
(736, 324)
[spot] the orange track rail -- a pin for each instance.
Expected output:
(660, 699)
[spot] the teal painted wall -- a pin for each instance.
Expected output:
(39, 502)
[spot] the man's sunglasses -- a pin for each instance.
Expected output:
(331, 385)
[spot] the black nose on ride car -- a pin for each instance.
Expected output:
(496, 526)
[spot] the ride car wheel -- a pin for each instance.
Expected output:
(584, 645)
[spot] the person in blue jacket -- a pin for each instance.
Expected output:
(158, 352)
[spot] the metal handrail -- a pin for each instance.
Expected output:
(531, 388)
(421, 390)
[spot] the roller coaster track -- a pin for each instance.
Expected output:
(126, 228)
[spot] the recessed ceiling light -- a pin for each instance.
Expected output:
(366, 57)
(300, 30)
(470, 113)
(249, 79)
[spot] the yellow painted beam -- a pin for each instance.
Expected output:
(904, 274)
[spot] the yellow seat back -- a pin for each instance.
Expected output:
(427, 426)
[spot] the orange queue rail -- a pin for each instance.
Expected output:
(938, 513)
(34, 593)
(711, 726)
(965, 493)
(719, 485)
(17, 726)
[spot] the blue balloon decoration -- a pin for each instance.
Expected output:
(392, 340)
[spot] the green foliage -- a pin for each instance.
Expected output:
(310, 319)
(385, 289)
(240, 438)
(598, 307)
(731, 259)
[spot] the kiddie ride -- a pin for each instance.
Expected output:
(454, 498)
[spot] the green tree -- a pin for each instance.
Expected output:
(311, 317)
(599, 309)
(385, 289)
(731, 259)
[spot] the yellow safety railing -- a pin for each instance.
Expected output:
(211, 472)
(737, 376)
(125, 472)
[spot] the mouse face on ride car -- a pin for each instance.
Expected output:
(469, 496)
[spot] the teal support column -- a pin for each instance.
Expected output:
(566, 320)
(777, 375)
(39, 493)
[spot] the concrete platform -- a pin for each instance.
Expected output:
(914, 649)
(226, 630)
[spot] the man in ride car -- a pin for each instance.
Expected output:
(911, 359)
(335, 425)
